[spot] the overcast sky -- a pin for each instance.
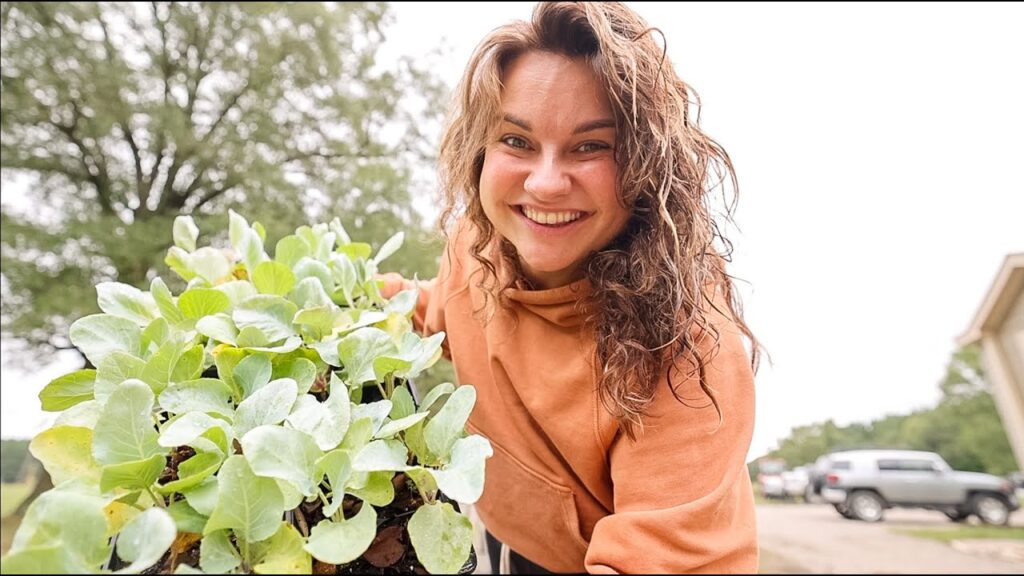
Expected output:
(880, 155)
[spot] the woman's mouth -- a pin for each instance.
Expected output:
(553, 218)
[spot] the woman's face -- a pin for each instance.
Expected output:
(549, 183)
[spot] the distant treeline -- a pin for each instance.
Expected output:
(12, 459)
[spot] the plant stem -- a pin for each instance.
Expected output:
(159, 500)
(391, 385)
(246, 560)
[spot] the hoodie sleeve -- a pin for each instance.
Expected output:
(682, 494)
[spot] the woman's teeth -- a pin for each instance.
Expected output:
(550, 217)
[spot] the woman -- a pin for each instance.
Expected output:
(582, 298)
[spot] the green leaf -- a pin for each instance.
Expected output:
(45, 559)
(115, 368)
(219, 327)
(145, 540)
(278, 452)
(319, 320)
(184, 430)
(66, 391)
(127, 302)
(160, 366)
(202, 395)
(272, 315)
(178, 260)
(196, 303)
(449, 424)
(435, 394)
(203, 498)
(325, 422)
(418, 445)
(273, 278)
(137, 475)
(383, 366)
(381, 455)
(310, 268)
(343, 542)
(373, 487)
(359, 434)
(193, 472)
(441, 536)
(237, 225)
(302, 370)
(356, 250)
(125, 431)
(270, 404)
(251, 506)
(165, 303)
(185, 233)
(237, 291)
(100, 334)
(291, 494)
(250, 249)
(390, 247)
(73, 521)
(283, 553)
(337, 465)
(402, 403)
(358, 350)
(227, 358)
(289, 345)
(155, 335)
(186, 519)
(403, 303)
(209, 264)
(189, 365)
(309, 293)
(217, 555)
(290, 250)
(420, 353)
(395, 426)
(252, 373)
(377, 412)
(462, 479)
(66, 452)
(344, 273)
(83, 415)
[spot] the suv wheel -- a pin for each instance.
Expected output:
(957, 515)
(843, 510)
(866, 506)
(990, 509)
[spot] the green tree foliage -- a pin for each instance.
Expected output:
(964, 428)
(120, 116)
(12, 458)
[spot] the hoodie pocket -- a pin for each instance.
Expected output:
(533, 515)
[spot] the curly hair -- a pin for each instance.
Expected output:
(654, 286)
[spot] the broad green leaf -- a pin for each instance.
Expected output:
(43, 559)
(185, 232)
(290, 250)
(125, 431)
(310, 268)
(127, 302)
(449, 424)
(423, 479)
(309, 293)
(441, 536)
(203, 498)
(395, 426)
(113, 370)
(137, 475)
(383, 366)
(337, 465)
(66, 452)
(302, 370)
(291, 344)
(390, 247)
(145, 539)
(339, 231)
(227, 358)
(318, 321)
(251, 506)
(189, 365)
(283, 553)
(273, 278)
(278, 452)
(328, 351)
(203, 395)
(271, 404)
(165, 303)
(344, 276)
(292, 496)
(373, 487)
(377, 412)
(237, 291)
(209, 264)
(356, 250)
(185, 429)
(83, 415)
(178, 260)
(237, 225)
(324, 246)
(252, 373)
(435, 393)
(325, 422)
(381, 455)
(196, 303)
(160, 367)
(462, 479)
(186, 519)
(250, 249)
(260, 231)
(73, 521)
(217, 555)
(193, 472)
(402, 404)
(271, 315)
(421, 353)
(119, 513)
(403, 303)
(220, 327)
(418, 444)
(66, 391)
(98, 335)
(154, 336)
(358, 350)
(342, 542)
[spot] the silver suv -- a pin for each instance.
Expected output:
(861, 484)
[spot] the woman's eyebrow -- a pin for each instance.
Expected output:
(585, 127)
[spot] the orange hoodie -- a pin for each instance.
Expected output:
(565, 488)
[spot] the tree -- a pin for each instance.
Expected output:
(120, 116)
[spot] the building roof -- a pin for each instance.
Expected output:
(1005, 290)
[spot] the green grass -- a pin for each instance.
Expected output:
(12, 495)
(964, 532)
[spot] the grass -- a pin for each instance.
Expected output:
(12, 495)
(965, 532)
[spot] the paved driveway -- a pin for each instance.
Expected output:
(813, 538)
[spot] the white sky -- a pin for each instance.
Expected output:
(879, 149)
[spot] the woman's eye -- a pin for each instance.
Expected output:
(514, 142)
(588, 147)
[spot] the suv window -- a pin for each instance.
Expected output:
(841, 465)
(906, 464)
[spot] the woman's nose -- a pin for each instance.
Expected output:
(547, 179)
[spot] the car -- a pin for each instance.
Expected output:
(796, 482)
(862, 484)
(769, 478)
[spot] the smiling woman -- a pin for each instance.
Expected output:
(582, 296)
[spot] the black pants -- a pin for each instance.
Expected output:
(517, 564)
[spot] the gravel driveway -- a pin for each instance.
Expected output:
(813, 538)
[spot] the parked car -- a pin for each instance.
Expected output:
(769, 478)
(796, 482)
(861, 484)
